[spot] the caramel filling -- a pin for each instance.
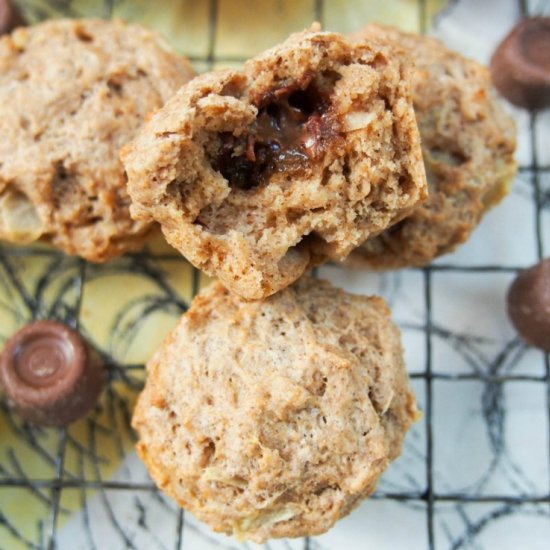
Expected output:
(295, 126)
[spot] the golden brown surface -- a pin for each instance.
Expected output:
(364, 173)
(275, 418)
(468, 143)
(71, 94)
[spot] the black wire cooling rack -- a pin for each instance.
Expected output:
(66, 466)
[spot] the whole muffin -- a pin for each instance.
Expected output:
(468, 143)
(275, 418)
(257, 174)
(71, 94)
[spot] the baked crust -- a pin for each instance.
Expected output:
(71, 94)
(258, 211)
(275, 418)
(468, 144)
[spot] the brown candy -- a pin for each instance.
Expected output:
(9, 17)
(520, 66)
(529, 305)
(50, 376)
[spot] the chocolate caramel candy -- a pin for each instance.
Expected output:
(520, 66)
(50, 376)
(529, 305)
(9, 17)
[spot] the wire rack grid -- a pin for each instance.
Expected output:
(112, 420)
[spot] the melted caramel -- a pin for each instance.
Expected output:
(294, 126)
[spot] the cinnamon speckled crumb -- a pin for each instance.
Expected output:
(258, 225)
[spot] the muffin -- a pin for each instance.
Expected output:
(71, 94)
(468, 144)
(275, 418)
(256, 175)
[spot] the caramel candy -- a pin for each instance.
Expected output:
(50, 376)
(9, 17)
(520, 66)
(529, 305)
